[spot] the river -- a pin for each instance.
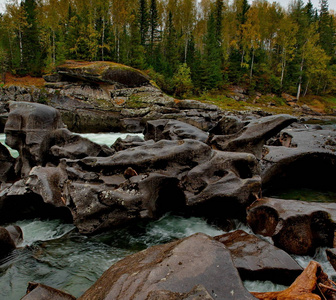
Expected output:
(55, 254)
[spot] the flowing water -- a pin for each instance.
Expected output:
(55, 254)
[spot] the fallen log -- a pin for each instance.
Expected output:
(312, 284)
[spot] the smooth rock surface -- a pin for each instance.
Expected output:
(257, 259)
(176, 267)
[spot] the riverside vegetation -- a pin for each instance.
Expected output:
(187, 46)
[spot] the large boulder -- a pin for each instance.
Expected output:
(6, 242)
(173, 130)
(295, 226)
(231, 135)
(102, 71)
(223, 185)
(176, 267)
(257, 259)
(300, 157)
(27, 126)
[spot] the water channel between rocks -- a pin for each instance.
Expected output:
(53, 253)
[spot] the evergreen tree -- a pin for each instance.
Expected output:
(32, 54)
(143, 21)
(326, 29)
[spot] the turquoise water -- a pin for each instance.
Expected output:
(53, 253)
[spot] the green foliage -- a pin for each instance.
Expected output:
(182, 82)
(187, 45)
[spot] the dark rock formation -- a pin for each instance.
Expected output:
(38, 291)
(128, 142)
(173, 130)
(300, 157)
(6, 165)
(223, 185)
(231, 135)
(28, 124)
(295, 226)
(176, 267)
(257, 259)
(15, 233)
(6, 242)
(107, 72)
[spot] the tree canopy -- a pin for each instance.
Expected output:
(188, 46)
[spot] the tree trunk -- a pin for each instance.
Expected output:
(300, 80)
(305, 92)
(252, 63)
(102, 40)
(54, 48)
(283, 66)
(305, 287)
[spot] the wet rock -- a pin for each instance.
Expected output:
(15, 233)
(226, 183)
(38, 291)
(28, 124)
(6, 242)
(7, 163)
(295, 226)
(331, 255)
(128, 142)
(252, 137)
(176, 267)
(301, 157)
(257, 259)
(172, 130)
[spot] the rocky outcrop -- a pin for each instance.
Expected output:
(6, 165)
(295, 226)
(101, 71)
(299, 157)
(176, 267)
(105, 96)
(231, 135)
(173, 130)
(38, 291)
(257, 259)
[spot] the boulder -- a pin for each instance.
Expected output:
(7, 163)
(295, 226)
(257, 259)
(250, 138)
(15, 233)
(27, 125)
(173, 130)
(6, 242)
(300, 157)
(38, 291)
(223, 185)
(102, 71)
(198, 292)
(176, 267)
(128, 142)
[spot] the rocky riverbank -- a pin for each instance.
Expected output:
(220, 169)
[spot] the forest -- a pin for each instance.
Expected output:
(187, 46)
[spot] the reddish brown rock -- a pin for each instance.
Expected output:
(38, 291)
(176, 267)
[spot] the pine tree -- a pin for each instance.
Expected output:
(326, 29)
(32, 54)
(143, 21)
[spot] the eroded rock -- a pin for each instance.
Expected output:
(250, 138)
(175, 267)
(257, 259)
(295, 226)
